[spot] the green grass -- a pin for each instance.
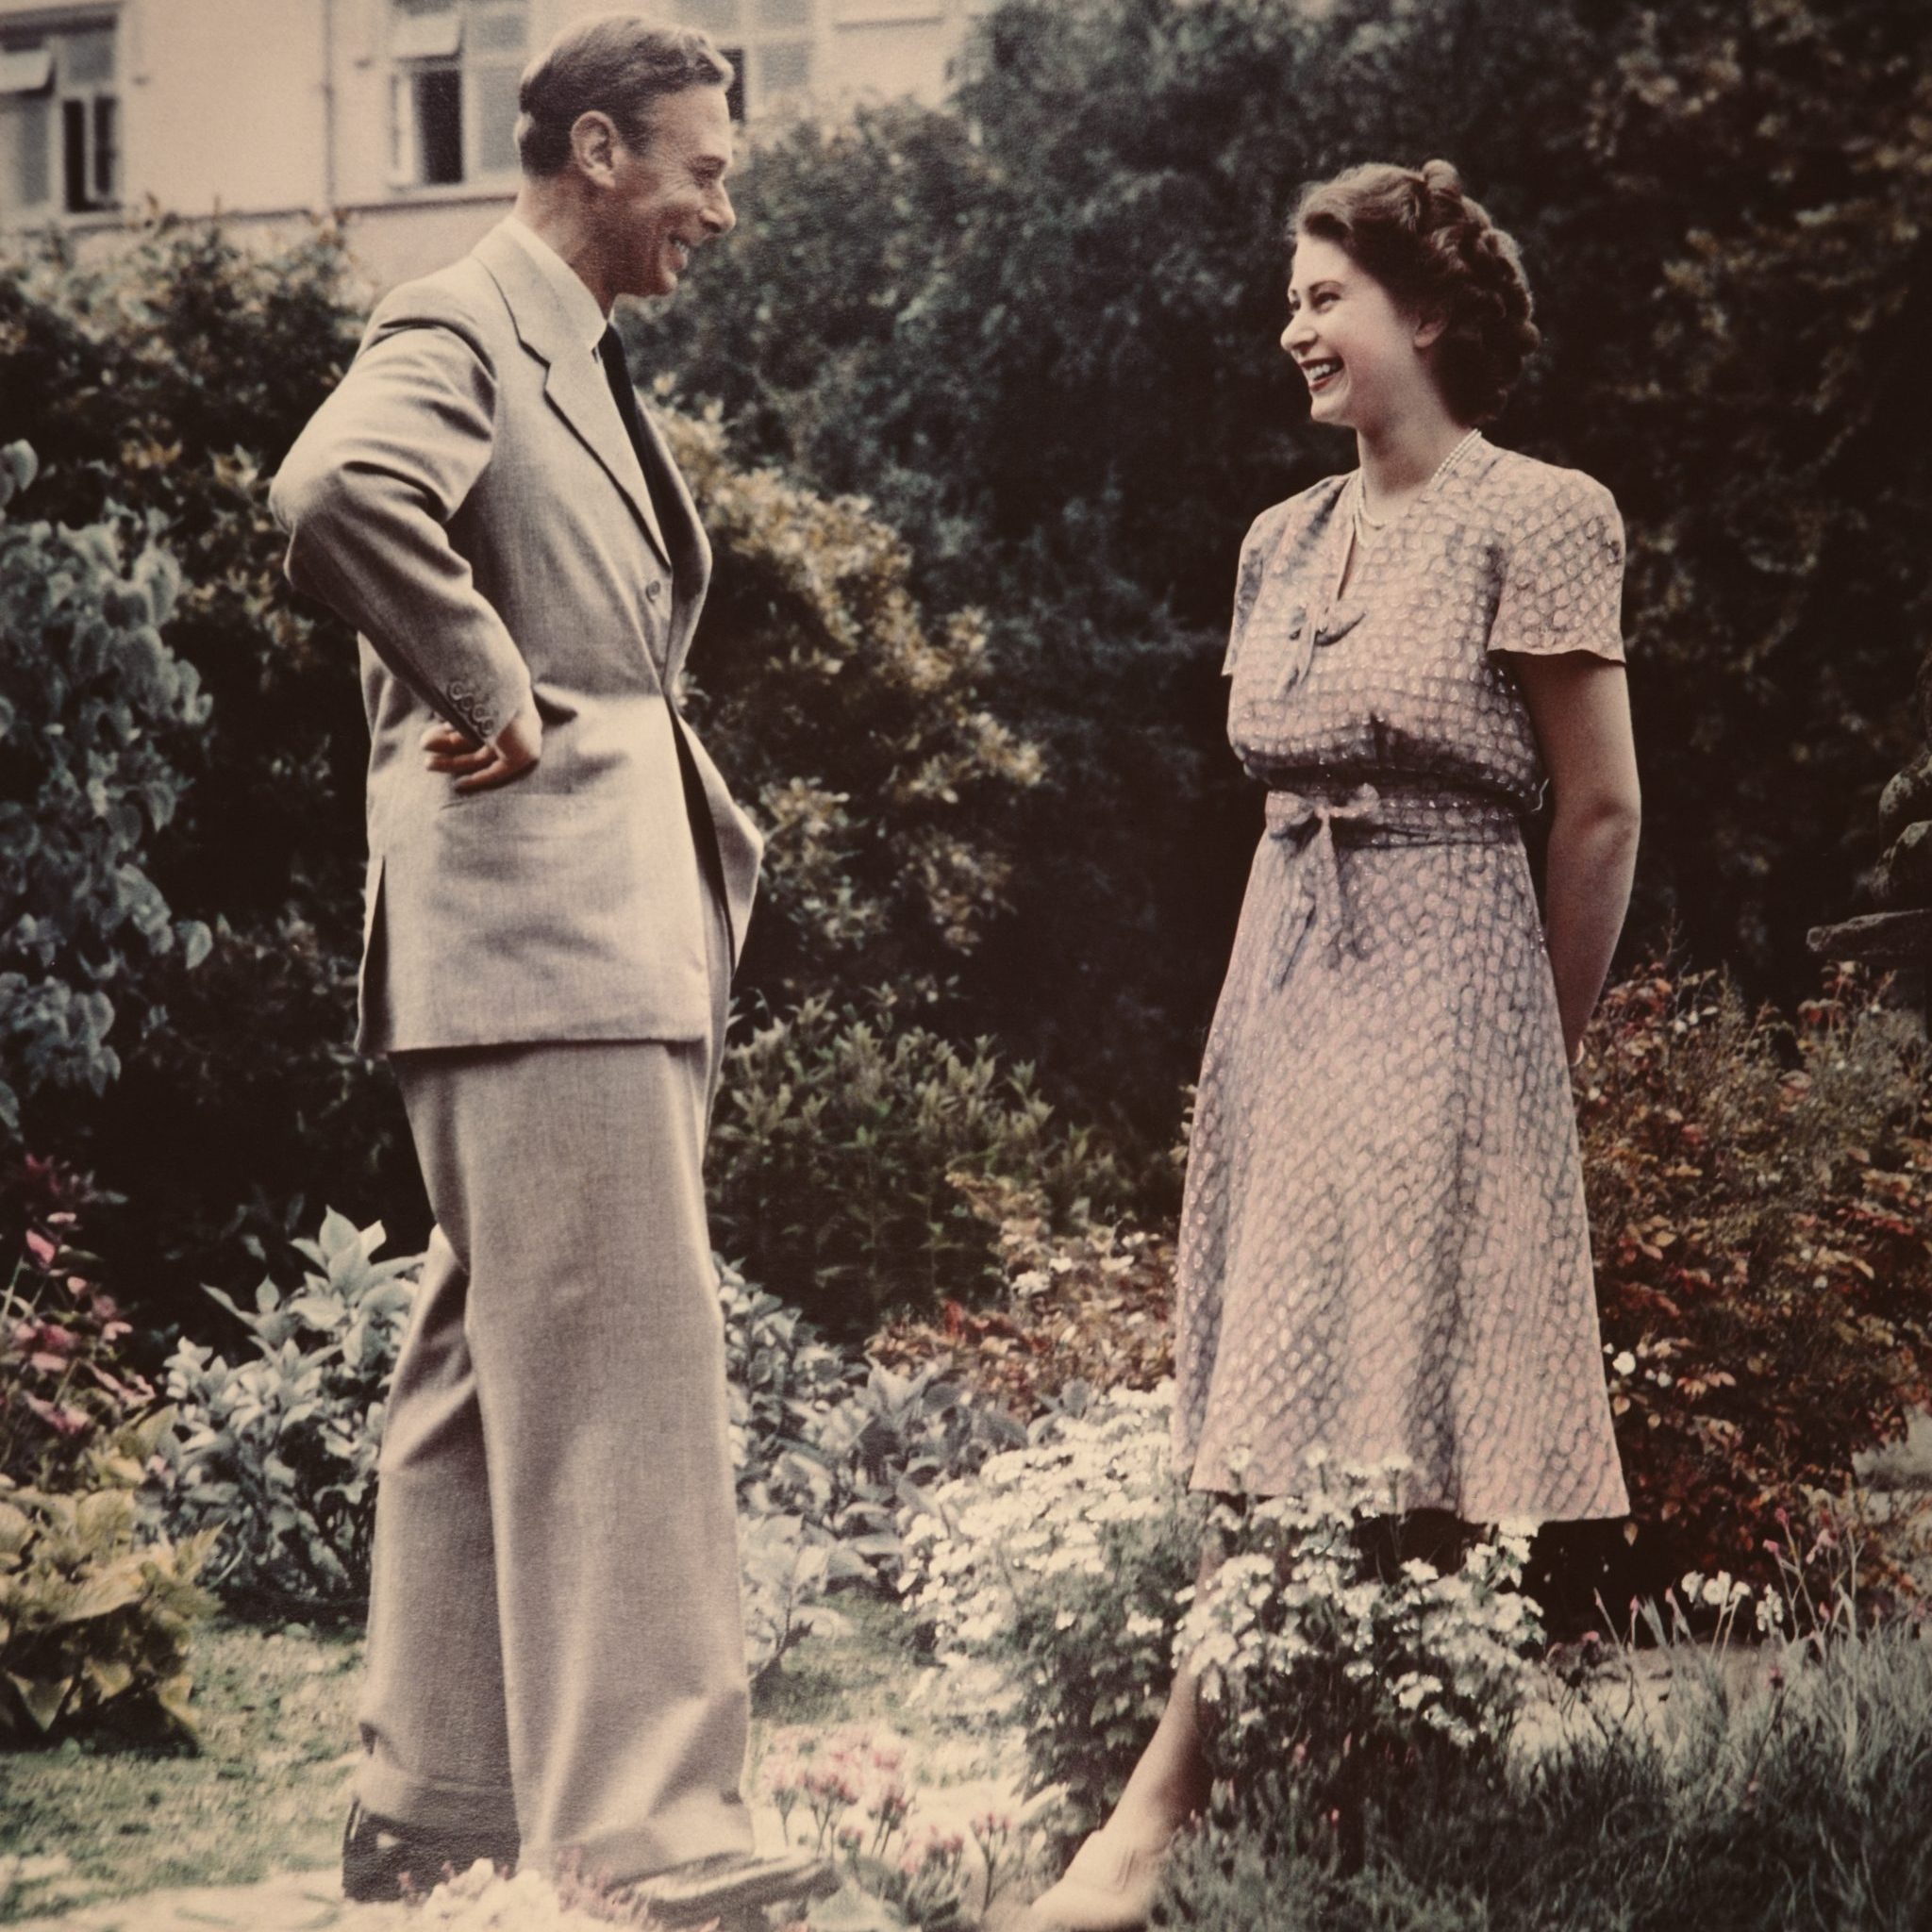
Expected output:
(266, 1792)
(1801, 1806)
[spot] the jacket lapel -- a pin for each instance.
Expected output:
(574, 382)
(690, 552)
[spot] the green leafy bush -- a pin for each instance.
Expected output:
(1062, 1564)
(280, 1451)
(64, 1379)
(95, 1606)
(858, 729)
(1318, 1661)
(1761, 1199)
(95, 1615)
(90, 697)
(827, 1447)
(1801, 1804)
(833, 1150)
(169, 376)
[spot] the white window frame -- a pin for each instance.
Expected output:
(442, 39)
(32, 67)
(748, 43)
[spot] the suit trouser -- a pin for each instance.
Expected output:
(554, 1643)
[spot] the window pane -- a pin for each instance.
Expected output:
(25, 129)
(26, 70)
(502, 30)
(784, 67)
(439, 125)
(426, 33)
(781, 13)
(495, 100)
(714, 16)
(107, 152)
(87, 60)
(73, 156)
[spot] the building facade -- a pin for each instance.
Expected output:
(396, 114)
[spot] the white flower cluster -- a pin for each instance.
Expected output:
(1729, 1597)
(1038, 1514)
(1066, 1563)
(1297, 1641)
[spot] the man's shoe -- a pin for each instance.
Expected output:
(384, 1860)
(730, 1883)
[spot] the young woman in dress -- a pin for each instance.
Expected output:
(1383, 1248)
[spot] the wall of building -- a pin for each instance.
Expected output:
(273, 111)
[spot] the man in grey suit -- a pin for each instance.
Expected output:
(558, 884)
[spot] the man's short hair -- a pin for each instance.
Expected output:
(618, 63)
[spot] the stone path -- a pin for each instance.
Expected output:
(313, 1901)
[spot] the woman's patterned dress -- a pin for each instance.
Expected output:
(1384, 1249)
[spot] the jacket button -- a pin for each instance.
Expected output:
(654, 588)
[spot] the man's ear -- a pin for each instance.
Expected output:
(593, 144)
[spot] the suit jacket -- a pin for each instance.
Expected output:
(469, 500)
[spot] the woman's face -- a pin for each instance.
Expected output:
(1360, 356)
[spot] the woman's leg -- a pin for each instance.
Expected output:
(1169, 1783)
(1111, 1885)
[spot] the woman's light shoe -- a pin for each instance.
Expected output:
(1109, 1887)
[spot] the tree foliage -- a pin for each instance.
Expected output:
(90, 698)
(854, 725)
(1039, 332)
(168, 380)
(856, 731)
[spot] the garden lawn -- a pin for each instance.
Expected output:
(277, 1713)
(265, 1794)
(1794, 1803)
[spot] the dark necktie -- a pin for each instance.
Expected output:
(611, 353)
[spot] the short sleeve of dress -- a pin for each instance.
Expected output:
(1264, 536)
(1562, 572)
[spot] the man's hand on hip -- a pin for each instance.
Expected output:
(482, 768)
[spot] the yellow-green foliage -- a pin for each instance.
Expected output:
(94, 1616)
(837, 1151)
(858, 728)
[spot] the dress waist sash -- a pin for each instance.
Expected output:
(1313, 819)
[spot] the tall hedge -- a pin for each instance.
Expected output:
(1039, 330)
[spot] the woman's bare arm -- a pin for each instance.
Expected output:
(1580, 706)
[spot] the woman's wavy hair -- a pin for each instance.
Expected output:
(1439, 255)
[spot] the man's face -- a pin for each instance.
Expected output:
(667, 195)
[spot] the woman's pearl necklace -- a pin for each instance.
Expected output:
(1364, 522)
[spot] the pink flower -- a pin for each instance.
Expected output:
(40, 1248)
(62, 1418)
